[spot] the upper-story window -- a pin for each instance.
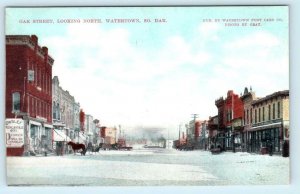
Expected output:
(259, 115)
(248, 116)
(244, 119)
(251, 116)
(54, 110)
(16, 102)
(263, 114)
(255, 116)
(278, 110)
(274, 111)
(269, 112)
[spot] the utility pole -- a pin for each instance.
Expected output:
(194, 116)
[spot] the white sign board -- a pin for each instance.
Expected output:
(30, 75)
(14, 131)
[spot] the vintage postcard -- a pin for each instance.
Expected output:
(147, 96)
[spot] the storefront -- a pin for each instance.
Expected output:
(47, 138)
(60, 140)
(237, 135)
(82, 138)
(228, 138)
(266, 137)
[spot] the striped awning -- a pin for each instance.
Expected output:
(268, 126)
(59, 135)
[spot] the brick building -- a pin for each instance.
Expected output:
(229, 110)
(212, 128)
(108, 135)
(29, 91)
(270, 123)
(248, 97)
(221, 129)
(65, 116)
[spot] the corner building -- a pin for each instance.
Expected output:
(270, 127)
(29, 92)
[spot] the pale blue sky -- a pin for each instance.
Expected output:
(156, 74)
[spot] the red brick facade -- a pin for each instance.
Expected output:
(28, 73)
(234, 107)
(23, 54)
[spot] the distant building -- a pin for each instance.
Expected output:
(76, 120)
(193, 133)
(212, 127)
(89, 126)
(220, 138)
(29, 91)
(108, 135)
(65, 116)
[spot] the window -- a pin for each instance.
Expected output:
(58, 112)
(227, 117)
(248, 116)
(274, 111)
(33, 131)
(278, 110)
(32, 105)
(251, 115)
(269, 112)
(16, 102)
(36, 107)
(255, 116)
(259, 115)
(244, 119)
(263, 114)
(54, 110)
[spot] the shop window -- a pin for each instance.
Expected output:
(16, 102)
(33, 130)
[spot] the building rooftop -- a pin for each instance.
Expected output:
(271, 96)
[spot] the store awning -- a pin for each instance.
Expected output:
(58, 135)
(82, 138)
(31, 122)
(268, 126)
(59, 124)
(48, 126)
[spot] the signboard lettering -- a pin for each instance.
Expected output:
(14, 130)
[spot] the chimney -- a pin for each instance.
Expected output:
(34, 38)
(45, 51)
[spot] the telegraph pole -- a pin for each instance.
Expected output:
(194, 116)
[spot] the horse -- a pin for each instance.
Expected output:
(77, 146)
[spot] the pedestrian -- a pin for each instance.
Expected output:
(285, 150)
(270, 149)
